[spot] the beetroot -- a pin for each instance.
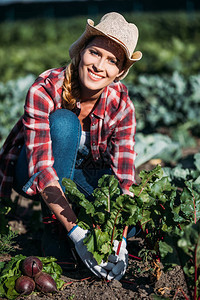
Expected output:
(24, 285)
(31, 266)
(45, 283)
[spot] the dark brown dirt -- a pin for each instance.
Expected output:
(138, 283)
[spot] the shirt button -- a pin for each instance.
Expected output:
(93, 144)
(12, 163)
(92, 115)
(19, 146)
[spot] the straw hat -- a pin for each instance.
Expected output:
(115, 27)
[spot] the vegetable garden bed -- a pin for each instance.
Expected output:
(144, 278)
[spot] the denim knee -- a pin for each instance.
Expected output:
(64, 124)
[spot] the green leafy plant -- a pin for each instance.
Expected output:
(181, 247)
(7, 242)
(169, 219)
(105, 217)
(12, 98)
(165, 101)
(170, 224)
(7, 236)
(179, 174)
(157, 30)
(156, 197)
(155, 145)
(190, 245)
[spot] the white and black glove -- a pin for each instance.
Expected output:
(77, 235)
(119, 260)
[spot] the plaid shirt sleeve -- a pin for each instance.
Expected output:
(38, 106)
(122, 147)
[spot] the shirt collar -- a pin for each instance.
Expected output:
(99, 110)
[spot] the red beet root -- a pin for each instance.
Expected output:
(24, 285)
(31, 266)
(45, 283)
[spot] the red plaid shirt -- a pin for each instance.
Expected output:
(112, 134)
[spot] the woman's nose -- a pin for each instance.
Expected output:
(99, 65)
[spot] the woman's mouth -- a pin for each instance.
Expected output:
(94, 76)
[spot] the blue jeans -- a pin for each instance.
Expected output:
(65, 130)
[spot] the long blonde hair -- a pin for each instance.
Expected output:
(71, 86)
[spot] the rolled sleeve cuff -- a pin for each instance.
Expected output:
(39, 181)
(125, 186)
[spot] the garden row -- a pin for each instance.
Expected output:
(167, 101)
(169, 42)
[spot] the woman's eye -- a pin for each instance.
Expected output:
(93, 52)
(113, 61)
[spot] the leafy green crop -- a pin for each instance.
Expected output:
(170, 222)
(12, 99)
(168, 41)
(7, 235)
(190, 245)
(179, 175)
(168, 101)
(169, 219)
(156, 197)
(153, 206)
(10, 271)
(105, 217)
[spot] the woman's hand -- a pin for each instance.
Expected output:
(119, 260)
(77, 235)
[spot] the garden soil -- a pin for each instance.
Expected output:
(141, 280)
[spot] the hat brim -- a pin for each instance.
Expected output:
(90, 32)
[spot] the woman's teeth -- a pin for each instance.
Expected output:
(94, 75)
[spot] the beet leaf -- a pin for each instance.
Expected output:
(106, 216)
(190, 244)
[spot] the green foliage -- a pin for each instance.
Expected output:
(168, 101)
(155, 145)
(178, 175)
(190, 200)
(12, 99)
(7, 236)
(156, 197)
(153, 205)
(190, 245)
(156, 106)
(10, 271)
(7, 242)
(105, 217)
(170, 222)
(169, 41)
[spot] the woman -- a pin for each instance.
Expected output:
(78, 123)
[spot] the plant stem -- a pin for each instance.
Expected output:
(184, 294)
(112, 237)
(109, 203)
(195, 273)
(162, 206)
(195, 211)
(144, 185)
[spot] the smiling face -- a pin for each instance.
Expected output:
(101, 63)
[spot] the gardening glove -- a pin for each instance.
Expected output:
(119, 260)
(77, 235)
